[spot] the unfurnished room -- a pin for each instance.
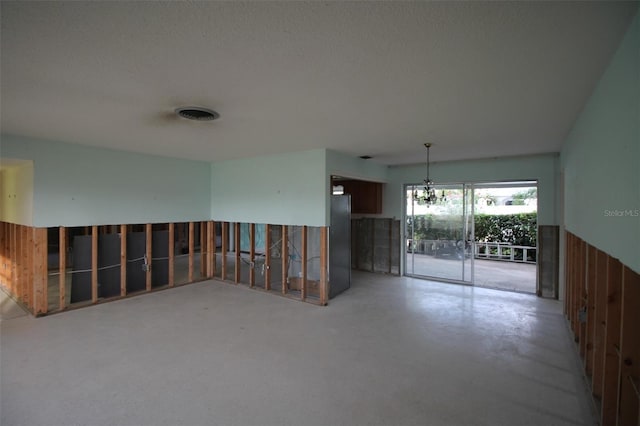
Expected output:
(319, 213)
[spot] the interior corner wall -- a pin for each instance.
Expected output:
(285, 189)
(600, 159)
(77, 185)
(543, 168)
(16, 194)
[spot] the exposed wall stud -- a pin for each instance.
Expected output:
(252, 254)
(39, 274)
(202, 227)
(285, 257)
(591, 309)
(211, 249)
(236, 232)
(214, 249)
(629, 401)
(94, 264)
(191, 250)
(149, 254)
(224, 249)
(123, 260)
(610, 386)
(582, 331)
(267, 257)
(62, 267)
(172, 252)
(599, 322)
(305, 249)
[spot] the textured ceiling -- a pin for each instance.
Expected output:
(476, 79)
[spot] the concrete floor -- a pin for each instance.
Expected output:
(390, 351)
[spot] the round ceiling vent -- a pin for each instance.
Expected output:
(197, 113)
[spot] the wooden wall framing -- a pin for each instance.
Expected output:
(602, 300)
(25, 276)
(23, 265)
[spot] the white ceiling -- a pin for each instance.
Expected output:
(476, 79)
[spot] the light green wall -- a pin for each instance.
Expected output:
(354, 167)
(601, 160)
(543, 168)
(16, 194)
(76, 185)
(278, 189)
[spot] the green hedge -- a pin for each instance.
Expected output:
(518, 229)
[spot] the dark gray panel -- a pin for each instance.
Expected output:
(395, 247)
(81, 281)
(381, 241)
(548, 260)
(160, 261)
(136, 247)
(340, 245)
(109, 265)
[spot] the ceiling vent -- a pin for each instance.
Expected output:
(197, 113)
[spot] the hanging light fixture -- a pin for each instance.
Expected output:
(428, 194)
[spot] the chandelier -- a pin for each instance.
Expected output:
(428, 194)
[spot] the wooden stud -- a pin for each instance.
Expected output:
(203, 249)
(582, 268)
(172, 252)
(236, 232)
(148, 229)
(599, 323)
(591, 309)
(15, 256)
(610, 384)
(305, 243)
(284, 259)
(569, 278)
(6, 257)
(575, 287)
(267, 257)
(123, 260)
(3, 258)
(191, 249)
(214, 249)
(27, 266)
(13, 247)
(62, 267)
(629, 400)
(225, 245)
(324, 265)
(3, 254)
(94, 264)
(252, 254)
(211, 249)
(31, 271)
(19, 262)
(40, 279)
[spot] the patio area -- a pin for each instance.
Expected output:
(497, 274)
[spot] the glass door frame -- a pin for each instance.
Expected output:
(467, 233)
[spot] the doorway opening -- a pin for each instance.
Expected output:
(475, 234)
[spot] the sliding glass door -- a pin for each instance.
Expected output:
(439, 236)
